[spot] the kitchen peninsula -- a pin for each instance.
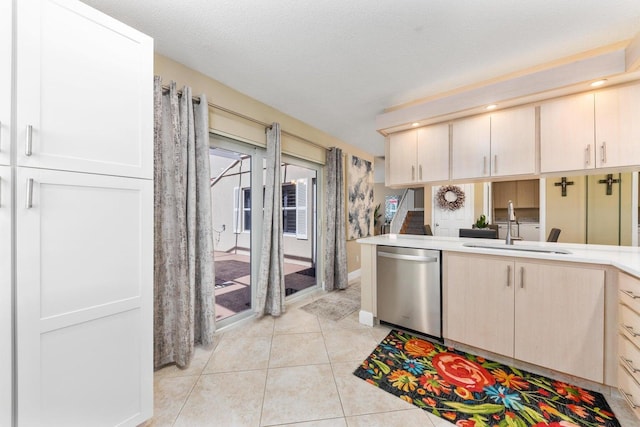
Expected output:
(552, 305)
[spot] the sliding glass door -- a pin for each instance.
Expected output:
(237, 190)
(299, 217)
(230, 181)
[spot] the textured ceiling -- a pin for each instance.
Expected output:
(336, 64)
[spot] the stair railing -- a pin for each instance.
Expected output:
(406, 203)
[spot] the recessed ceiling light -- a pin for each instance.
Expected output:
(415, 124)
(598, 83)
(491, 107)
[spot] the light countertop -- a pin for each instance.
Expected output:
(625, 258)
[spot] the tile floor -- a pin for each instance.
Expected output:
(295, 370)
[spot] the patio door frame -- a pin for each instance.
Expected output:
(316, 230)
(258, 153)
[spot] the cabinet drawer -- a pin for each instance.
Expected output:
(630, 389)
(629, 291)
(630, 324)
(629, 356)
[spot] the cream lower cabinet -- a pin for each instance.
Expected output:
(629, 340)
(479, 301)
(547, 314)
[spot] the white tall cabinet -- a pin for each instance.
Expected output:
(82, 170)
(6, 256)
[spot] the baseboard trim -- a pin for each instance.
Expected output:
(355, 274)
(366, 318)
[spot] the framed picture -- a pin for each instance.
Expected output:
(360, 198)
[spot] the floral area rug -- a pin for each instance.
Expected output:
(471, 391)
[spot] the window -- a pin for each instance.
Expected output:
(294, 208)
(289, 208)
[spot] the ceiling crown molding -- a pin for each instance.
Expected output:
(559, 78)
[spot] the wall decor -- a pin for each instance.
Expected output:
(450, 197)
(360, 198)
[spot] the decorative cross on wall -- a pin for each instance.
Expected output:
(563, 183)
(609, 181)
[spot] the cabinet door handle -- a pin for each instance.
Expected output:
(495, 163)
(631, 331)
(588, 155)
(603, 152)
(413, 173)
(29, 203)
(484, 165)
(628, 397)
(521, 277)
(508, 276)
(420, 172)
(629, 364)
(630, 294)
(28, 146)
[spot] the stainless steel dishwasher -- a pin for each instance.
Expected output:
(409, 289)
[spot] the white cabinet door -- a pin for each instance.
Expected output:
(530, 232)
(6, 298)
(566, 134)
(5, 81)
(84, 91)
(84, 264)
(471, 154)
(513, 142)
(475, 284)
(433, 153)
(617, 127)
(559, 318)
(402, 162)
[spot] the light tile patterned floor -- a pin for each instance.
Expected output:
(295, 370)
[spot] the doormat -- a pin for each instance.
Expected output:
(471, 391)
(337, 304)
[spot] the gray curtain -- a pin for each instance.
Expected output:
(270, 288)
(335, 272)
(184, 305)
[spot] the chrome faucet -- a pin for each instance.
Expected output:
(511, 216)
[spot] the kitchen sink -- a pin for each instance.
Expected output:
(547, 250)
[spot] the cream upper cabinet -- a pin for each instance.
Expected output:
(560, 307)
(566, 134)
(402, 157)
(513, 142)
(617, 127)
(471, 148)
(433, 153)
(492, 145)
(479, 284)
(62, 121)
(567, 138)
(419, 155)
(5, 81)
(532, 299)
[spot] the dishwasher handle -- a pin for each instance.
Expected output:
(408, 257)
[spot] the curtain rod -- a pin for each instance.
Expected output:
(196, 99)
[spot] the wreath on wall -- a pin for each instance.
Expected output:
(450, 197)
